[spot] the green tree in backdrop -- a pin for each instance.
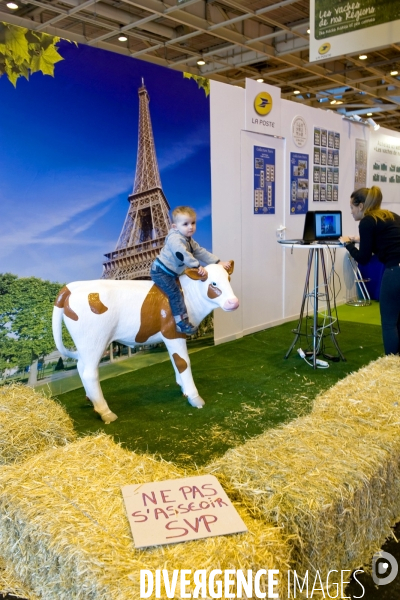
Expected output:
(23, 52)
(202, 82)
(26, 306)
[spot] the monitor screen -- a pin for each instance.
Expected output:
(328, 224)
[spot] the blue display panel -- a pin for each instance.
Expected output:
(264, 181)
(299, 183)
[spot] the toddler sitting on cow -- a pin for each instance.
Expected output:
(179, 252)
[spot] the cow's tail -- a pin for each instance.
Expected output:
(58, 312)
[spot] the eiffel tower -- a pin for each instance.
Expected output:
(147, 221)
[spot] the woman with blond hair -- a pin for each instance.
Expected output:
(379, 234)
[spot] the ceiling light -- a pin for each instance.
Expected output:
(308, 30)
(363, 56)
(333, 101)
(355, 119)
(296, 92)
(12, 5)
(339, 102)
(393, 73)
(260, 80)
(369, 114)
(122, 38)
(373, 124)
(201, 62)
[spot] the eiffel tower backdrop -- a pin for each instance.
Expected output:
(147, 221)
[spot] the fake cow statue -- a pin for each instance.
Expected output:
(99, 312)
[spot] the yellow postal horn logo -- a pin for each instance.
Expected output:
(324, 48)
(263, 103)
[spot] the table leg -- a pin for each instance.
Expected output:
(328, 307)
(297, 331)
(315, 295)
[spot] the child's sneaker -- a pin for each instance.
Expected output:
(185, 327)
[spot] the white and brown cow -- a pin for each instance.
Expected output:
(133, 313)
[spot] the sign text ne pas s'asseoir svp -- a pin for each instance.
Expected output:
(177, 510)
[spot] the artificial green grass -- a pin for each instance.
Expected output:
(247, 385)
(360, 314)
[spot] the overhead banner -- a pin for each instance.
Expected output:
(341, 27)
(263, 108)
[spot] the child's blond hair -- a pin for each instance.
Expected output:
(183, 210)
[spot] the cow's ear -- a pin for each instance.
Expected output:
(230, 270)
(194, 274)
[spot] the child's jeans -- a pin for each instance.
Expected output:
(169, 285)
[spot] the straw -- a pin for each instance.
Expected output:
(30, 423)
(330, 479)
(65, 534)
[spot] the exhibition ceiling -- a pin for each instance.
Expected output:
(255, 39)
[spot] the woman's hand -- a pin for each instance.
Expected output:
(345, 239)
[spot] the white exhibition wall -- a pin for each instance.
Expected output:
(269, 278)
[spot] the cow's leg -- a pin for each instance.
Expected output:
(89, 373)
(180, 360)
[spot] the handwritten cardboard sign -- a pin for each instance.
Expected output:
(178, 510)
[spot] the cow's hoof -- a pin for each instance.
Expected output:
(197, 402)
(108, 417)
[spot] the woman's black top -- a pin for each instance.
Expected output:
(377, 237)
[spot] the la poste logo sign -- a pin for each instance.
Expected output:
(263, 108)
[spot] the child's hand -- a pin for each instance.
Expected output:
(226, 264)
(201, 271)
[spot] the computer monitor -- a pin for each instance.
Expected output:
(328, 225)
(322, 225)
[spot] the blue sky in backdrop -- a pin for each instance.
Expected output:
(68, 149)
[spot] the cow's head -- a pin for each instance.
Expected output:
(215, 287)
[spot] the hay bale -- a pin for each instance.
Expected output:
(330, 479)
(10, 585)
(64, 530)
(370, 395)
(30, 423)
